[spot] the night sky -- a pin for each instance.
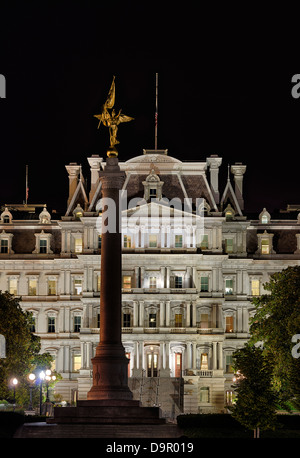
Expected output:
(224, 88)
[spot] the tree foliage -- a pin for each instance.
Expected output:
(276, 321)
(22, 348)
(255, 406)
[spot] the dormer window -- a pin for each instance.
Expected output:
(44, 216)
(229, 213)
(152, 187)
(6, 216)
(42, 243)
(78, 212)
(5, 243)
(152, 193)
(264, 217)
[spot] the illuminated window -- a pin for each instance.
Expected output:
(265, 246)
(152, 241)
(152, 282)
(178, 364)
(255, 288)
(204, 362)
(77, 287)
(76, 363)
(98, 282)
(229, 324)
(178, 241)
(229, 286)
(78, 245)
(13, 286)
(127, 241)
(204, 321)
(32, 287)
(178, 320)
(51, 287)
(126, 282)
(229, 215)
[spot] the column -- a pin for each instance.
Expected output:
(194, 355)
(110, 365)
(167, 313)
(135, 313)
(141, 317)
(220, 345)
(189, 355)
(162, 313)
(215, 356)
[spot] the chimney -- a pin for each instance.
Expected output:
(214, 162)
(73, 170)
(94, 162)
(238, 171)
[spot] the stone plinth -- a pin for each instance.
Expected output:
(107, 412)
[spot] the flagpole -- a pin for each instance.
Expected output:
(156, 110)
(26, 193)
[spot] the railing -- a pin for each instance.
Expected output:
(198, 373)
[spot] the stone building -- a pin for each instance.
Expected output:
(192, 261)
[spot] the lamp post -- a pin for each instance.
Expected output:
(48, 378)
(42, 376)
(31, 378)
(15, 383)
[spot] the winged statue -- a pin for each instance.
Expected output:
(110, 119)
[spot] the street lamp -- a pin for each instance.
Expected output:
(31, 378)
(15, 383)
(42, 376)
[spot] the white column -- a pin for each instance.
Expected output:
(162, 313)
(220, 344)
(167, 313)
(194, 355)
(141, 322)
(135, 313)
(215, 356)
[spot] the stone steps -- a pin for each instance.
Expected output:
(45, 430)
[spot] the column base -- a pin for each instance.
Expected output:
(110, 374)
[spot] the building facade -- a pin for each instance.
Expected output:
(192, 262)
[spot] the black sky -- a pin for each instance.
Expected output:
(224, 88)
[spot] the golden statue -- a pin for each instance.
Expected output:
(112, 120)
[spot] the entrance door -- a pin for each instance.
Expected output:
(178, 364)
(152, 364)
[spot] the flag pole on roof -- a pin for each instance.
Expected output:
(156, 110)
(27, 189)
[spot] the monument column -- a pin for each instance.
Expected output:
(110, 365)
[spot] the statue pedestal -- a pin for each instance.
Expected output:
(109, 411)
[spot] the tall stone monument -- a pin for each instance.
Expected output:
(110, 400)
